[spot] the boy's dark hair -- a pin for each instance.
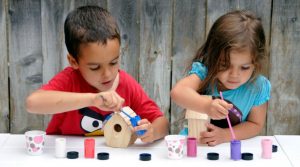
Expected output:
(89, 24)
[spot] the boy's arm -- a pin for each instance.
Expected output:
(52, 102)
(153, 120)
(155, 130)
(160, 127)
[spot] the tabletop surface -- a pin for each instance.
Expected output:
(290, 145)
(13, 153)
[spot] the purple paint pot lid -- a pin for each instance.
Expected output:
(235, 141)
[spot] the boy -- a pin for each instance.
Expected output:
(81, 96)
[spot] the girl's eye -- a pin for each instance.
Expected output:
(245, 68)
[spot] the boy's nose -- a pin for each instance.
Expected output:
(106, 73)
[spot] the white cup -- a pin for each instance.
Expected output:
(35, 140)
(175, 144)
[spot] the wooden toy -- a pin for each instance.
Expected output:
(196, 123)
(118, 130)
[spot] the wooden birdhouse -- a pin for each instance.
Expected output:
(118, 130)
(196, 123)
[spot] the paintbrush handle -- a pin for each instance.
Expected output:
(228, 121)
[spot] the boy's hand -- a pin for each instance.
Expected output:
(213, 136)
(218, 109)
(108, 101)
(144, 124)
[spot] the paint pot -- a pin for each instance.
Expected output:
(235, 150)
(191, 147)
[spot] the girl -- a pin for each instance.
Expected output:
(229, 62)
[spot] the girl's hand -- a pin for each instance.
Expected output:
(144, 124)
(218, 109)
(213, 136)
(108, 101)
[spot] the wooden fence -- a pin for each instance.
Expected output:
(159, 37)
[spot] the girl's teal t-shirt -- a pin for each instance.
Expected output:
(243, 98)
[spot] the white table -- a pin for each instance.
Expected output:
(13, 153)
(290, 145)
(3, 138)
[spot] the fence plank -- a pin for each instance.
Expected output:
(4, 109)
(54, 49)
(126, 14)
(188, 35)
(155, 50)
(285, 71)
(25, 55)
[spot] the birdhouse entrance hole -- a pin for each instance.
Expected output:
(117, 127)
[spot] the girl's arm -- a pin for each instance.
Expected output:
(185, 94)
(245, 130)
(254, 124)
(52, 102)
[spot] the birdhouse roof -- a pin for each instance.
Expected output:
(129, 112)
(190, 114)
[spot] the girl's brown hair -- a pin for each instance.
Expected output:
(235, 30)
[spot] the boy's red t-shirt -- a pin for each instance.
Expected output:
(87, 120)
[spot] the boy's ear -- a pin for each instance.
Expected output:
(73, 63)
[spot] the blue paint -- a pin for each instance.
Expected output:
(134, 122)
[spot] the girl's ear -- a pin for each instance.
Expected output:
(73, 63)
